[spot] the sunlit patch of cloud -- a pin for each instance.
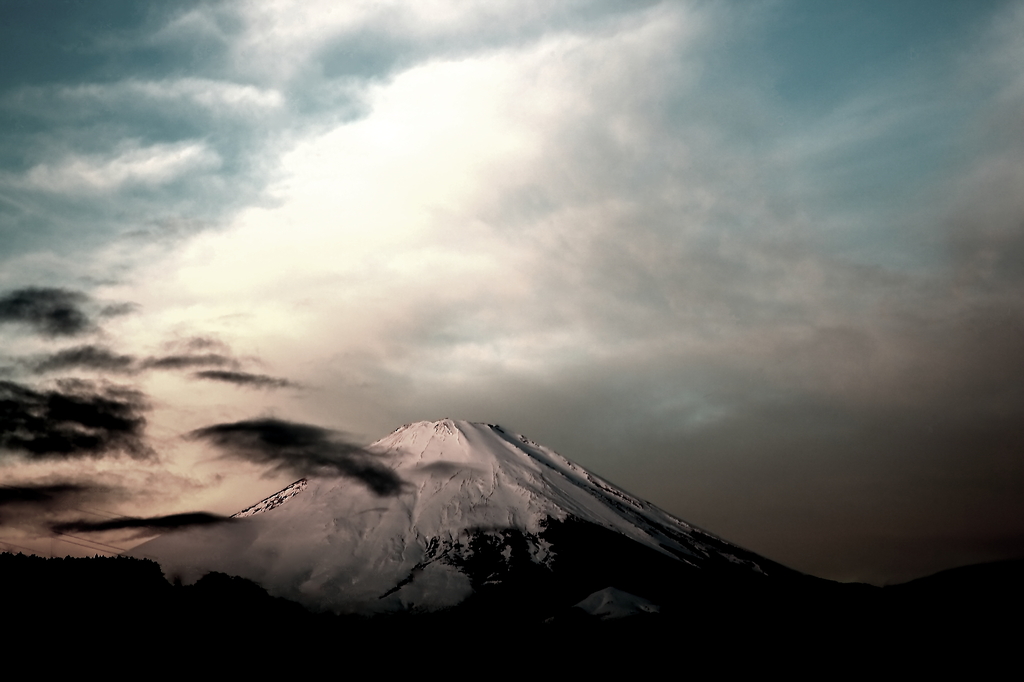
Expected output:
(130, 165)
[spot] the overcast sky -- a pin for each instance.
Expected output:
(761, 263)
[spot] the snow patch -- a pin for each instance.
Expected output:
(612, 602)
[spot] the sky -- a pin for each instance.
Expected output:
(760, 263)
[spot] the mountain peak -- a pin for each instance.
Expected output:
(441, 430)
(476, 501)
(445, 440)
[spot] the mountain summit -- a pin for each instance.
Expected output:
(482, 516)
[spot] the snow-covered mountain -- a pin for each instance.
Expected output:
(483, 514)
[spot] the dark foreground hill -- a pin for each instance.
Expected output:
(121, 611)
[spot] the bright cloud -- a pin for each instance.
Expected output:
(131, 165)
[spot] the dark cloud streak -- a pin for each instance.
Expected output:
(49, 311)
(245, 379)
(188, 361)
(76, 420)
(28, 505)
(86, 357)
(43, 495)
(100, 358)
(302, 449)
(118, 309)
(169, 522)
(204, 343)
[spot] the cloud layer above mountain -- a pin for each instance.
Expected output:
(759, 263)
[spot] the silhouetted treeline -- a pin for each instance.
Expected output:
(124, 610)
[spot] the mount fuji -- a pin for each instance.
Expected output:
(483, 517)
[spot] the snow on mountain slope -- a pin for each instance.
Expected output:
(332, 544)
(274, 501)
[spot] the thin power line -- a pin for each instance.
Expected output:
(109, 515)
(95, 549)
(95, 542)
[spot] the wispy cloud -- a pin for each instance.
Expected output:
(86, 357)
(302, 449)
(49, 311)
(132, 164)
(220, 97)
(77, 419)
(188, 361)
(30, 506)
(152, 523)
(244, 379)
(46, 495)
